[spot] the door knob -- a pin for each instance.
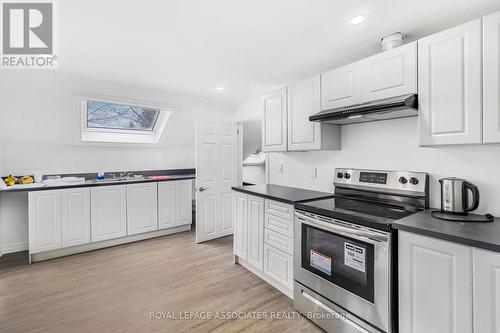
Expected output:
(202, 188)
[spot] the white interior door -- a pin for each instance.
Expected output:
(216, 172)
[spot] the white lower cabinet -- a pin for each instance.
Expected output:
(142, 208)
(75, 216)
(174, 203)
(255, 230)
(166, 205)
(60, 219)
(44, 220)
(435, 285)
(267, 252)
(486, 291)
(279, 241)
(183, 206)
(279, 266)
(240, 205)
(108, 212)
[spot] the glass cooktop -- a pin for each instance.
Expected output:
(367, 213)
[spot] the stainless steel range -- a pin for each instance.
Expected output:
(344, 261)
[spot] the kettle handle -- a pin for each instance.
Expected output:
(475, 197)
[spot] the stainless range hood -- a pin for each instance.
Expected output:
(389, 108)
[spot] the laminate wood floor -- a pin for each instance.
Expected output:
(117, 289)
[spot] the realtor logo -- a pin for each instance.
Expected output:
(28, 35)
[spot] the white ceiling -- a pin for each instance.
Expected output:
(190, 46)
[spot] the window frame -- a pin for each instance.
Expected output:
(114, 136)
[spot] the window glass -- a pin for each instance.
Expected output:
(121, 116)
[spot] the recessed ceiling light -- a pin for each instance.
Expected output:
(219, 88)
(357, 19)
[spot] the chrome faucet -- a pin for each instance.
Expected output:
(125, 174)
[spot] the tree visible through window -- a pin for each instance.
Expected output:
(121, 116)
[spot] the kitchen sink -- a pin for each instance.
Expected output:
(120, 179)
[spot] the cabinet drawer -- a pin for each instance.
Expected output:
(279, 209)
(278, 241)
(279, 225)
(278, 266)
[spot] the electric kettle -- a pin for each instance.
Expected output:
(455, 196)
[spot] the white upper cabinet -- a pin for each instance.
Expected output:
(75, 216)
(491, 78)
(44, 220)
(141, 208)
(390, 73)
(108, 212)
(341, 86)
(449, 88)
(304, 100)
(274, 123)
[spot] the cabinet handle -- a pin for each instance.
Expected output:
(202, 188)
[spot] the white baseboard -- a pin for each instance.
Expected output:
(13, 247)
(108, 243)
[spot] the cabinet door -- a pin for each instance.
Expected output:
(255, 235)
(304, 99)
(183, 202)
(166, 204)
(435, 285)
(142, 208)
(491, 78)
(44, 220)
(75, 212)
(108, 212)
(240, 205)
(449, 86)
(279, 266)
(274, 124)
(486, 291)
(390, 73)
(341, 87)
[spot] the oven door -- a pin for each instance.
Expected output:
(347, 264)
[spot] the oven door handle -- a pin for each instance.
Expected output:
(366, 236)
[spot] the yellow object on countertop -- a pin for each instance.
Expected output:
(9, 181)
(25, 180)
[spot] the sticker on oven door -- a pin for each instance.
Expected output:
(354, 256)
(321, 262)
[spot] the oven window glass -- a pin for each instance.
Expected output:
(346, 262)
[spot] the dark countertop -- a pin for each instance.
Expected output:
(485, 235)
(178, 174)
(286, 194)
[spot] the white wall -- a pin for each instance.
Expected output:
(38, 117)
(393, 145)
(38, 127)
(249, 109)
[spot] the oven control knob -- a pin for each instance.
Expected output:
(347, 176)
(413, 181)
(403, 180)
(340, 175)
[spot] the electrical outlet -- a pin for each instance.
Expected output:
(314, 173)
(281, 168)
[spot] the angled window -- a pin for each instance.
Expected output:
(117, 122)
